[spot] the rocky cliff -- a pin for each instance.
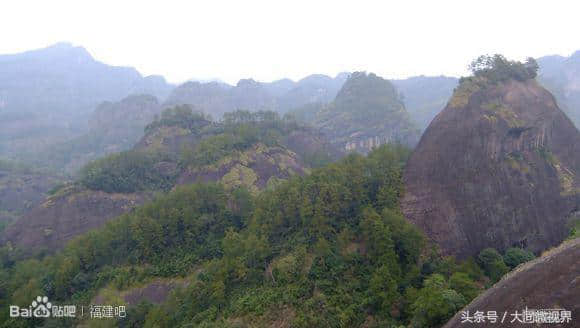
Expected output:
(65, 215)
(20, 191)
(255, 169)
(549, 282)
(498, 167)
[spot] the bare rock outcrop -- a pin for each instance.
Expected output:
(498, 167)
(66, 215)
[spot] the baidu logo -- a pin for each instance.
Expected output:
(40, 308)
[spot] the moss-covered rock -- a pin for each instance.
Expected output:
(253, 168)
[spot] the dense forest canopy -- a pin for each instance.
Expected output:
(332, 248)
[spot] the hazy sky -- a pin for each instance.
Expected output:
(269, 40)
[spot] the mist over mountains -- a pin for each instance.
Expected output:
(58, 104)
(346, 201)
(66, 80)
(561, 75)
(53, 100)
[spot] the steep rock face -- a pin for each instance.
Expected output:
(169, 139)
(500, 166)
(65, 215)
(549, 282)
(20, 192)
(366, 113)
(255, 169)
(309, 144)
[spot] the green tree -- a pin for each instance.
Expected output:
(497, 68)
(460, 282)
(435, 303)
(515, 256)
(384, 289)
(126, 172)
(381, 247)
(492, 263)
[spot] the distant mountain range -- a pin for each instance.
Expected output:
(54, 97)
(47, 95)
(561, 75)
(64, 79)
(217, 98)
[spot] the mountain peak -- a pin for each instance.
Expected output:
(61, 50)
(495, 167)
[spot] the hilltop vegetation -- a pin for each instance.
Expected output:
(207, 144)
(497, 68)
(366, 113)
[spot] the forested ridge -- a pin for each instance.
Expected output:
(326, 250)
(209, 142)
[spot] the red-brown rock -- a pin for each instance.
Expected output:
(498, 167)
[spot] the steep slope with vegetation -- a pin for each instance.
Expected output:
(254, 150)
(498, 167)
(423, 97)
(324, 250)
(366, 113)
